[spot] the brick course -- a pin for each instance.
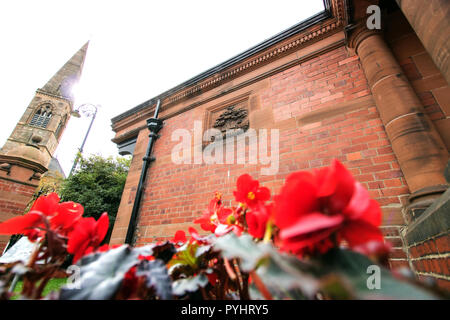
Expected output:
(431, 258)
(14, 198)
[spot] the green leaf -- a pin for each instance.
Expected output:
(157, 277)
(102, 274)
(355, 269)
(185, 255)
(189, 285)
(284, 275)
(287, 277)
(243, 248)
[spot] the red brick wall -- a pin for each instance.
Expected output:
(176, 194)
(14, 198)
(431, 258)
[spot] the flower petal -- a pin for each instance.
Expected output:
(81, 251)
(68, 213)
(298, 196)
(296, 244)
(48, 204)
(359, 232)
(372, 214)
(180, 236)
(312, 222)
(345, 184)
(263, 194)
(222, 229)
(326, 181)
(20, 224)
(359, 202)
(101, 227)
(82, 234)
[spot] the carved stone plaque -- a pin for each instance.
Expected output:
(229, 115)
(232, 118)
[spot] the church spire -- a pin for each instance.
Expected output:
(61, 83)
(39, 131)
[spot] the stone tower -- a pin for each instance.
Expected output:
(28, 152)
(44, 121)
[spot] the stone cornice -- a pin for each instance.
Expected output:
(146, 113)
(332, 20)
(22, 162)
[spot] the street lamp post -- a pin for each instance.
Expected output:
(88, 112)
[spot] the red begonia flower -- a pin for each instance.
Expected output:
(67, 215)
(180, 236)
(257, 219)
(22, 224)
(195, 236)
(249, 192)
(226, 215)
(45, 213)
(223, 229)
(229, 220)
(87, 236)
(209, 219)
(32, 223)
(315, 211)
(48, 205)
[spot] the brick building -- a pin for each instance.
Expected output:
(377, 100)
(28, 152)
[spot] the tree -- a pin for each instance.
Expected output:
(98, 185)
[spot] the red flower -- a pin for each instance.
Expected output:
(48, 205)
(315, 211)
(21, 224)
(32, 223)
(257, 219)
(87, 236)
(196, 236)
(209, 219)
(180, 236)
(67, 215)
(220, 220)
(223, 229)
(229, 220)
(45, 213)
(249, 191)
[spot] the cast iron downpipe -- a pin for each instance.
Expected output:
(154, 125)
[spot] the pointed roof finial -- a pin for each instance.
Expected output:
(61, 83)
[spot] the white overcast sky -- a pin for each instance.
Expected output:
(138, 49)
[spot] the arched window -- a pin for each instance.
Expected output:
(42, 116)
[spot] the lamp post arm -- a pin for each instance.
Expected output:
(84, 141)
(88, 130)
